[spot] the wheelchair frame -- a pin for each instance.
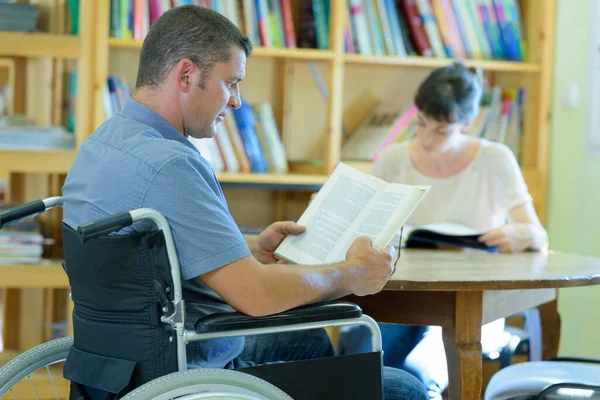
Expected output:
(176, 320)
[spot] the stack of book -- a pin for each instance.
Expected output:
(18, 17)
(17, 133)
(267, 23)
(22, 244)
(463, 29)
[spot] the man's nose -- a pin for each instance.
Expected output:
(235, 101)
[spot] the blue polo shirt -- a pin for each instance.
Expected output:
(136, 160)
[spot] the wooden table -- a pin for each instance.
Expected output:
(461, 291)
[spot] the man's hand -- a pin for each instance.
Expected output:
(271, 237)
(373, 267)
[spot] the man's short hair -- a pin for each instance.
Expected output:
(200, 34)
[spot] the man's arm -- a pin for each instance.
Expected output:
(258, 289)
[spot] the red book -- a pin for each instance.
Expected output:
(417, 30)
(288, 24)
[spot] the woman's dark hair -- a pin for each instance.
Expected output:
(451, 94)
(200, 34)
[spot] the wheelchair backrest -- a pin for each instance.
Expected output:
(119, 286)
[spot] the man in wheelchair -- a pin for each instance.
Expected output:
(191, 65)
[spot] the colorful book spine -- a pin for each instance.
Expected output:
(431, 28)
(288, 24)
(321, 23)
(404, 121)
(246, 122)
(417, 31)
(396, 31)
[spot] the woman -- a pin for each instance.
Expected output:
(474, 182)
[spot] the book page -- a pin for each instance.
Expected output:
(330, 216)
(405, 203)
(385, 216)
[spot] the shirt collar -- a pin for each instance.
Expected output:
(145, 115)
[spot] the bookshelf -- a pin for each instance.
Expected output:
(431, 63)
(312, 125)
(16, 44)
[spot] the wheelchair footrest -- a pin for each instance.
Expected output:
(223, 322)
(350, 377)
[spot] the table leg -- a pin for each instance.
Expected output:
(463, 347)
(550, 322)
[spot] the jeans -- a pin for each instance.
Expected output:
(295, 346)
(417, 350)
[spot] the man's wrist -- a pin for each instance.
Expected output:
(350, 275)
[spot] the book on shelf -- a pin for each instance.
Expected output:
(18, 17)
(17, 132)
(475, 29)
(443, 235)
(349, 205)
(267, 23)
(22, 243)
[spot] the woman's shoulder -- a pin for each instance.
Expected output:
(495, 152)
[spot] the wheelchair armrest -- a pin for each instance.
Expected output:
(223, 322)
(105, 225)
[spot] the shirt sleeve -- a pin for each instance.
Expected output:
(206, 237)
(509, 185)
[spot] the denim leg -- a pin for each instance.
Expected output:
(303, 345)
(427, 362)
(285, 346)
(398, 384)
(397, 341)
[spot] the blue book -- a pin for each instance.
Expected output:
(246, 122)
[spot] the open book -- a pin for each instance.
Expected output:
(432, 236)
(350, 204)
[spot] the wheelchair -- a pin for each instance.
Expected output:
(129, 337)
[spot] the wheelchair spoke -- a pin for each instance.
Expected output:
(52, 381)
(13, 393)
(33, 387)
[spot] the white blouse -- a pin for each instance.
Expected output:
(480, 196)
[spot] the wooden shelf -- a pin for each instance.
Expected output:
(429, 62)
(300, 54)
(58, 161)
(17, 44)
(273, 179)
(47, 274)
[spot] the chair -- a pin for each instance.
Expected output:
(129, 336)
(559, 378)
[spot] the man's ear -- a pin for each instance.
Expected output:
(183, 73)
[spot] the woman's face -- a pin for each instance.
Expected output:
(434, 137)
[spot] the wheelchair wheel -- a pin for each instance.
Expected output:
(32, 360)
(208, 384)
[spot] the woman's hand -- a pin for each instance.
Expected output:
(516, 237)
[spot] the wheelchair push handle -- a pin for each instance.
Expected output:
(27, 211)
(103, 226)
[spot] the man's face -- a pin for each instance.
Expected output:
(207, 101)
